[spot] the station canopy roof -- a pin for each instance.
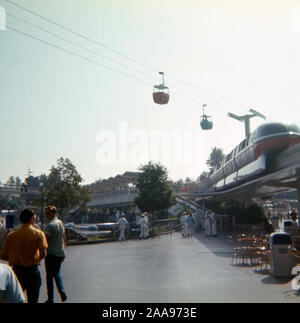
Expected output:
(117, 181)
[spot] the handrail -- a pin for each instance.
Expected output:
(156, 228)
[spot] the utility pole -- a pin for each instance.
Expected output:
(246, 119)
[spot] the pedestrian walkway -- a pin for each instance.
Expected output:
(165, 269)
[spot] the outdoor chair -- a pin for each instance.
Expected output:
(237, 251)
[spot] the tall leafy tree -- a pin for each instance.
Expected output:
(33, 183)
(215, 157)
(63, 187)
(155, 191)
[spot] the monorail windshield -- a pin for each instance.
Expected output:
(270, 129)
(274, 128)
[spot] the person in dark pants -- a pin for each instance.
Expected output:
(24, 248)
(55, 234)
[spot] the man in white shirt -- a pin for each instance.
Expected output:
(208, 223)
(144, 226)
(213, 224)
(10, 288)
(146, 235)
(117, 215)
(184, 225)
(122, 222)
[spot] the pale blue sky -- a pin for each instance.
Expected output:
(55, 105)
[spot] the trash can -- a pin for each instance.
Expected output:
(282, 255)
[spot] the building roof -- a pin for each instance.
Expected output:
(125, 199)
(117, 181)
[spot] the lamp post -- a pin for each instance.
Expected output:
(42, 204)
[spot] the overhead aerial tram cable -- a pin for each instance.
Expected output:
(119, 53)
(102, 56)
(162, 91)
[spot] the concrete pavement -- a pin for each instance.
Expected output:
(166, 269)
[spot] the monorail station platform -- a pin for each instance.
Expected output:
(166, 269)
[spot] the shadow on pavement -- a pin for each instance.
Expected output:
(219, 245)
(271, 280)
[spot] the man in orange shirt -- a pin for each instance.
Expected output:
(23, 249)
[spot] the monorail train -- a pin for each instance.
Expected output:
(251, 158)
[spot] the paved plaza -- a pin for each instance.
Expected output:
(166, 269)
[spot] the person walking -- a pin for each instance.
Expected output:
(207, 224)
(10, 288)
(117, 215)
(213, 224)
(122, 222)
(184, 224)
(146, 234)
(294, 215)
(24, 248)
(144, 226)
(55, 234)
(191, 225)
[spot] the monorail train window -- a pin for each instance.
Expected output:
(254, 135)
(242, 145)
(270, 129)
(293, 128)
(228, 157)
(248, 140)
(236, 150)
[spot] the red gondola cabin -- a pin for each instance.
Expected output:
(161, 92)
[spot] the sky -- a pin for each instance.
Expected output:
(89, 97)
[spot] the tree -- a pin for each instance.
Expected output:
(215, 157)
(33, 183)
(253, 214)
(62, 187)
(155, 191)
